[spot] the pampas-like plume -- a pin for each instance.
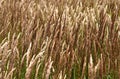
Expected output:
(93, 69)
(32, 64)
(61, 76)
(48, 67)
(10, 74)
(37, 68)
(28, 55)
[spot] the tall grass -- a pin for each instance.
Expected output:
(59, 39)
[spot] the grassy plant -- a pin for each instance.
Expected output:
(59, 39)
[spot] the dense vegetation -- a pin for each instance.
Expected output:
(59, 39)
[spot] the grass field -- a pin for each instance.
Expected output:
(59, 39)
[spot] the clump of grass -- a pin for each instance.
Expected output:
(63, 39)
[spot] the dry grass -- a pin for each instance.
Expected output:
(59, 39)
